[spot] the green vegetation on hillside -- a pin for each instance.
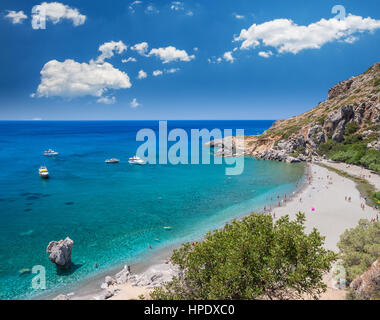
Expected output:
(253, 258)
(360, 247)
(353, 149)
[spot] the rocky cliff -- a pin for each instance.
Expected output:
(352, 107)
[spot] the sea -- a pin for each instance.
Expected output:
(113, 212)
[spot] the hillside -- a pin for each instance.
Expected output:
(345, 127)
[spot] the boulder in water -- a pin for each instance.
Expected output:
(60, 252)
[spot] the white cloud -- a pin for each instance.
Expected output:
(157, 73)
(71, 79)
(228, 57)
(170, 54)
(107, 49)
(151, 9)
(265, 54)
(141, 48)
(238, 16)
(286, 36)
(16, 17)
(133, 5)
(190, 13)
(177, 6)
(134, 103)
(106, 100)
(214, 60)
(351, 39)
(172, 70)
(55, 12)
(130, 59)
(142, 74)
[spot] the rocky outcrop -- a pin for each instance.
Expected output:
(153, 277)
(60, 252)
(367, 286)
(340, 88)
(315, 135)
(374, 145)
(336, 121)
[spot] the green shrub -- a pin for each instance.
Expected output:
(352, 139)
(251, 258)
(360, 247)
(376, 196)
(351, 128)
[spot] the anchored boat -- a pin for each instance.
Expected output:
(136, 160)
(43, 172)
(50, 153)
(113, 160)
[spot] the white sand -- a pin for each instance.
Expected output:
(129, 292)
(357, 171)
(333, 214)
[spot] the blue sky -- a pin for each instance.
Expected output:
(206, 66)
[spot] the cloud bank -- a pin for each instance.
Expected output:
(16, 17)
(71, 79)
(286, 36)
(56, 12)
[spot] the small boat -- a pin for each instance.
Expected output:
(50, 153)
(168, 228)
(112, 160)
(136, 160)
(43, 172)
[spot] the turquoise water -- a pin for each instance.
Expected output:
(112, 212)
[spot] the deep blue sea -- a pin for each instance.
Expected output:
(112, 212)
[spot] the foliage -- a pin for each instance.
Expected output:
(354, 151)
(376, 196)
(351, 128)
(360, 247)
(253, 258)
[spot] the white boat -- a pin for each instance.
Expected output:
(43, 172)
(112, 160)
(50, 152)
(136, 160)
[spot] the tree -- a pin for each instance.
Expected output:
(253, 258)
(360, 247)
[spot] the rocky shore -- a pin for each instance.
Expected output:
(112, 286)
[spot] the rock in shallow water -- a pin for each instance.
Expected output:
(60, 252)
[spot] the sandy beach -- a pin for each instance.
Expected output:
(356, 171)
(333, 214)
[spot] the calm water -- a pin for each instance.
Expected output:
(112, 212)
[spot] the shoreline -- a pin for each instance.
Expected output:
(90, 288)
(330, 220)
(129, 291)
